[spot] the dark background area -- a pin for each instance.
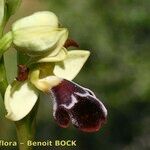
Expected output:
(117, 32)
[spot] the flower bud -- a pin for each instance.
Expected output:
(78, 105)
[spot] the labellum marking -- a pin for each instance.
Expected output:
(79, 105)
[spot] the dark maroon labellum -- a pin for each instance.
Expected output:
(23, 72)
(78, 105)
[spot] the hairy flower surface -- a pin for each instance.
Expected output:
(78, 105)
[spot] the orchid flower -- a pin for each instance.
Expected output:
(52, 69)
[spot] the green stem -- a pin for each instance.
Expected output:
(26, 129)
(3, 78)
(25, 132)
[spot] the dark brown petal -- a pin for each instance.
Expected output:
(23, 72)
(70, 42)
(78, 104)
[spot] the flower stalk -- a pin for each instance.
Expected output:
(26, 129)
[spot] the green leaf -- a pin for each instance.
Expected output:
(71, 66)
(20, 98)
(12, 6)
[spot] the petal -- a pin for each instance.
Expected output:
(40, 40)
(42, 18)
(71, 66)
(60, 42)
(20, 98)
(72, 102)
(88, 114)
(59, 57)
(70, 42)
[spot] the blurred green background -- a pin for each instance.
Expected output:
(117, 32)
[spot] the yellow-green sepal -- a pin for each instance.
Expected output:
(20, 98)
(41, 18)
(70, 67)
(39, 34)
(37, 41)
